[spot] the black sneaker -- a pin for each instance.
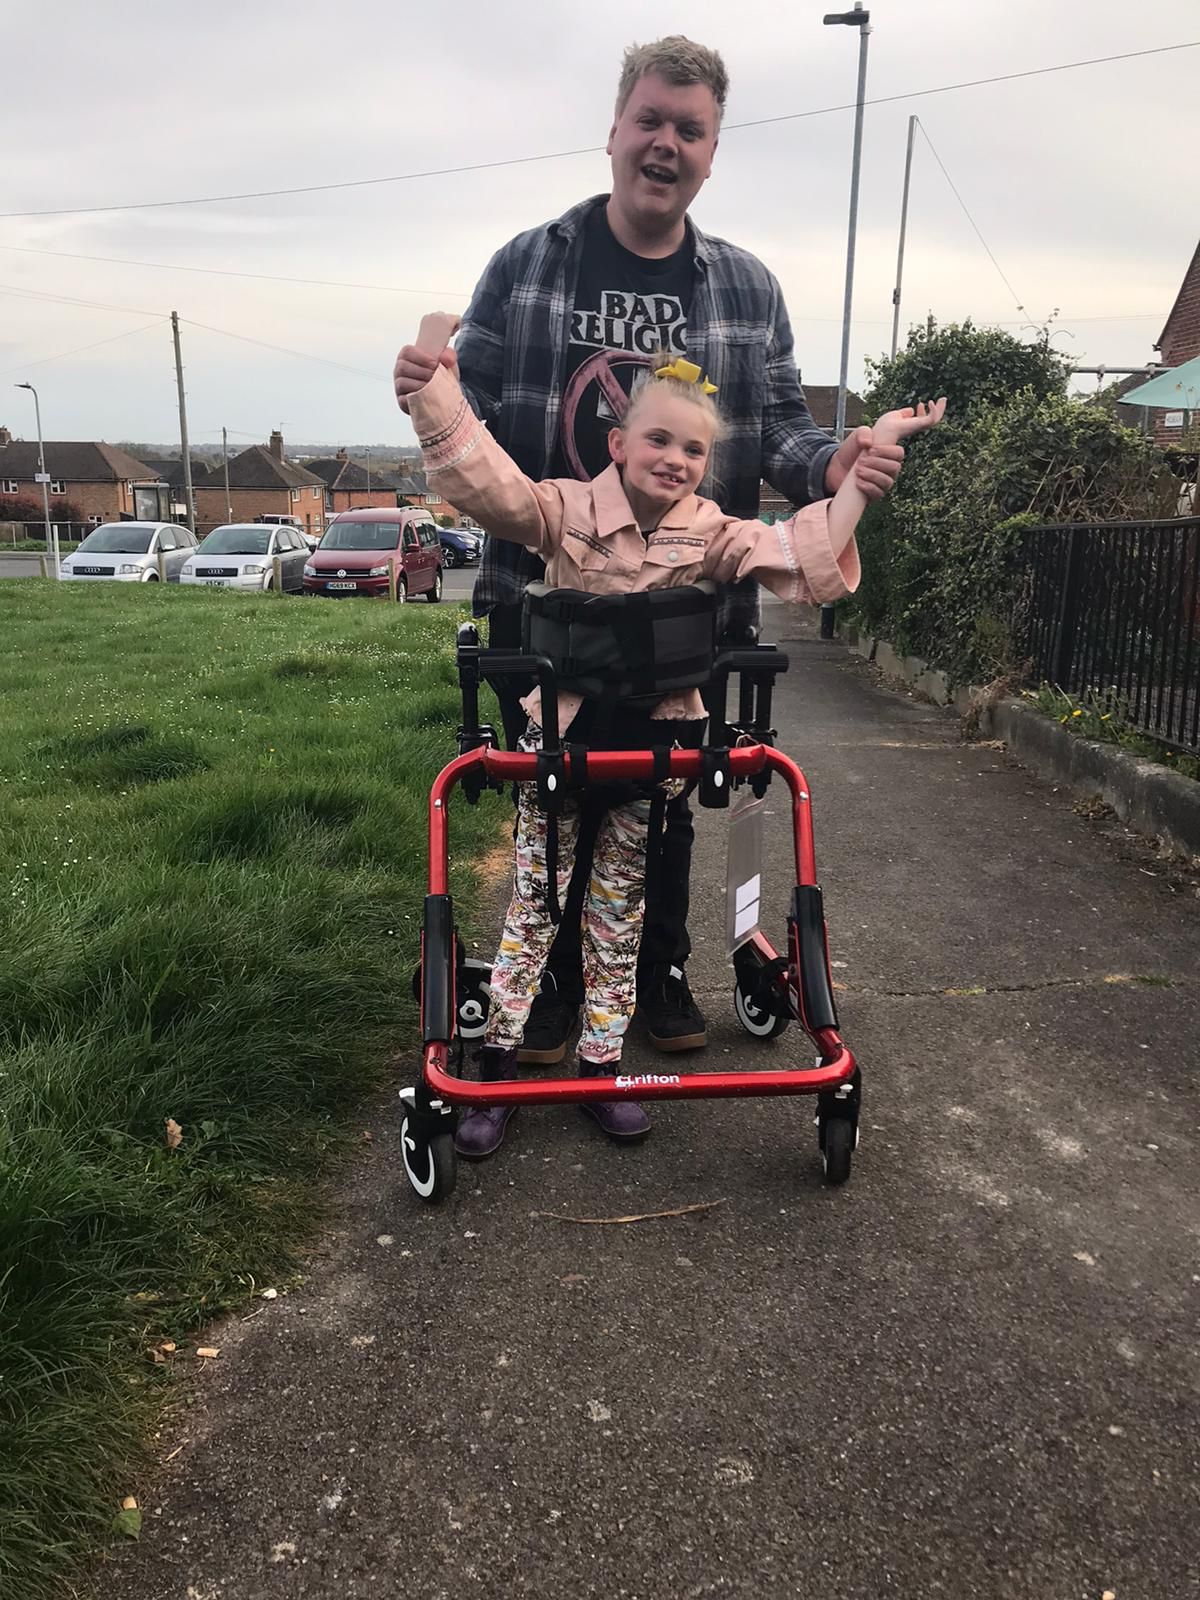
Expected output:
(552, 1021)
(673, 1019)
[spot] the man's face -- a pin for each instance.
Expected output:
(662, 147)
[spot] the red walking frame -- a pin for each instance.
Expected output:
(771, 989)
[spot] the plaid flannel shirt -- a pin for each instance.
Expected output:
(512, 352)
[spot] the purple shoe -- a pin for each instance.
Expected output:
(480, 1131)
(622, 1120)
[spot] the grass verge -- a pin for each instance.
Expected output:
(211, 874)
(1104, 720)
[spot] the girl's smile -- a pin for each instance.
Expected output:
(663, 454)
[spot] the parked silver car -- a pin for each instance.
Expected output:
(129, 552)
(242, 555)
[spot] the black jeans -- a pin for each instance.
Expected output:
(665, 941)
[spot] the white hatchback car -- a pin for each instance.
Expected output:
(242, 555)
(129, 552)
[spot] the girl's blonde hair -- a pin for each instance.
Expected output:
(648, 382)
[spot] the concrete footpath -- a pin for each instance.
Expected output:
(973, 1372)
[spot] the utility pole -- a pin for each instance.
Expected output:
(44, 479)
(183, 433)
(368, 471)
(912, 128)
(860, 19)
(225, 461)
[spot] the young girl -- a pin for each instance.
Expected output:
(640, 525)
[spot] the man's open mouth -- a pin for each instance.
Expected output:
(658, 174)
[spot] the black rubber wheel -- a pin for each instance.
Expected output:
(435, 594)
(758, 1022)
(402, 592)
(472, 1009)
(430, 1164)
(837, 1149)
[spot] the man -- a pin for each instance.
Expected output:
(560, 322)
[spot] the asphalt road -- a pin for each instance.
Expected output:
(973, 1372)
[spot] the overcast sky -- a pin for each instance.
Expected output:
(1077, 180)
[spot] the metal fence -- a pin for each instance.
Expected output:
(1111, 613)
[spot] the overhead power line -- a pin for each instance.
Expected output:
(281, 349)
(559, 155)
(229, 272)
(27, 366)
(1018, 302)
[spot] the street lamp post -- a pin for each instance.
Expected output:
(860, 19)
(44, 480)
(225, 464)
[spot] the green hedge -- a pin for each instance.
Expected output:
(942, 568)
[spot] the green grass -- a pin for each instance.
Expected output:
(1106, 721)
(212, 861)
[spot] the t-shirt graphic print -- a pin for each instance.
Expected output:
(626, 309)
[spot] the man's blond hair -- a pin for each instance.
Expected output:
(678, 61)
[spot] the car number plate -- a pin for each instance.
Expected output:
(342, 585)
(214, 583)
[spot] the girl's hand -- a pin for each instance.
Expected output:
(896, 425)
(414, 368)
(417, 363)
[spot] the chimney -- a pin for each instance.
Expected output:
(5, 437)
(276, 446)
(341, 455)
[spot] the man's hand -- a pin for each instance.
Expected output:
(875, 466)
(414, 368)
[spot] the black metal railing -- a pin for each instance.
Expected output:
(1111, 613)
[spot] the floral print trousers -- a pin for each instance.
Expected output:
(612, 920)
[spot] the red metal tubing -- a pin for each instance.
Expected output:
(633, 1086)
(511, 766)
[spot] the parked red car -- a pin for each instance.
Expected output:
(359, 547)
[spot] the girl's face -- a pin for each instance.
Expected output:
(663, 450)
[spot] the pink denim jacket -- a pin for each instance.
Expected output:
(589, 538)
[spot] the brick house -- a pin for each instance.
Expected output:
(413, 490)
(103, 482)
(822, 403)
(1180, 340)
(262, 482)
(350, 484)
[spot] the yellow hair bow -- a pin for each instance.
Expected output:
(686, 372)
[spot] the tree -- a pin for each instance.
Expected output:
(20, 508)
(942, 553)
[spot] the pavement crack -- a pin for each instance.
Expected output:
(1034, 986)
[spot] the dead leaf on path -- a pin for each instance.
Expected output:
(207, 1351)
(157, 1357)
(168, 1347)
(174, 1134)
(129, 1503)
(640, 1216)
(842, 986)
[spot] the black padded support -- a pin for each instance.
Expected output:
(816, 995)
(437, 959)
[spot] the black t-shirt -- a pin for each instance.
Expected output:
(626, 308)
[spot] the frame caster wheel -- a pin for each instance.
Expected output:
(758, 1020)
(430, 1162)
(838, 1137)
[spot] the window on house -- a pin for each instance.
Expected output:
(11, 486)
(315, 493)
(95, 521)
(295, 496)
(57, 486)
